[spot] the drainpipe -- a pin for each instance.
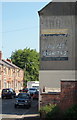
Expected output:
(14, 78)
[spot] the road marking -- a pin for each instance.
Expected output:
(18, 116)
(31, 115)
(33, 106)
(24, 114)
(10, 116)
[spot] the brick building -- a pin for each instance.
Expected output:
(11, 76)
(57, 49)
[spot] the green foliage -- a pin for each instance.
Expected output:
(52, 112)
(49, 111)
(71, 113)
(28, 60)
(46, 108)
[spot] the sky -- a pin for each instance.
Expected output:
(20, 26)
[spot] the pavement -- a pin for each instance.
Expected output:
(25, 118)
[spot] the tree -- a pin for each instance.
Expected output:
(28, 60)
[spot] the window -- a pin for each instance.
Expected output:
(9, 71)
(0, 70)
(0, 84)
(5, 70)
(5, 85)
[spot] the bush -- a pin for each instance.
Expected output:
(49, 112)
(54, 113)
(71, 113)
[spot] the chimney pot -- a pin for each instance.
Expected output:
(0, 55)
(9, 60)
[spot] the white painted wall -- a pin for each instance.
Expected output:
(52, 78)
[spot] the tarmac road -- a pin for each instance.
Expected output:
(10, 113)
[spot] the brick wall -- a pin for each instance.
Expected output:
(68, 95)
(53, 98)
(66, 98)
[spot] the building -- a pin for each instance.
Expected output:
(11, 76)
(57, 47)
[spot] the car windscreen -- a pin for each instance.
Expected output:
(32, 89)
(5, 90)
(23, 95)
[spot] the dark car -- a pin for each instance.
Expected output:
(8, 93)
(36, 95)
(32, 92)
(23, 99)
(24, 90)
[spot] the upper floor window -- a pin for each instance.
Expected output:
(5, 70)
(0, 84)
(0, 70)
(9, 71)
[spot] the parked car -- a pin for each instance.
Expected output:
(24, 90)
(32, 91)
(8, 93)
(36, 95)
(23, 99)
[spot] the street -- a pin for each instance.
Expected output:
(8, 110)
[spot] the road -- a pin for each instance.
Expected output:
(8, 110)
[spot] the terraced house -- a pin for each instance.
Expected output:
(11, 76)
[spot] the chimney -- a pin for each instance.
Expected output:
(9, 60)
(0, 55)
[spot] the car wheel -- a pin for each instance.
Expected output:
(12, 97)
(15, 106)
(30, 105)
(2, 97)
(27, 106)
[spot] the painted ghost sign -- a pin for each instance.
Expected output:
(55, 44)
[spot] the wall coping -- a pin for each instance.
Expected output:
(68, 80)
(51, 93)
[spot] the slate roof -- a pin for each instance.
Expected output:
(8, 64)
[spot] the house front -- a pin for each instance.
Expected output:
(11, 76)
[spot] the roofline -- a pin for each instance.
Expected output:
(8, 63)
(3, 63)
(39, 12)
(43, 8)
(11, 64)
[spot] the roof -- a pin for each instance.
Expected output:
(8, 64)
(3, 63)
(58, 8)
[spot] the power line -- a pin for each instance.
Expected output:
(22, 29)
